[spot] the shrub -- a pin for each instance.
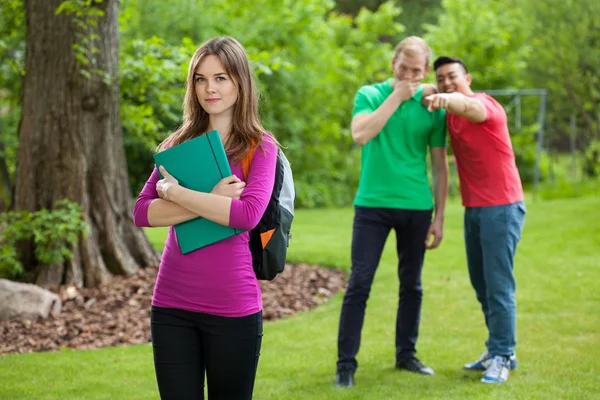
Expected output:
(565, 189)
(525, 147)
(54, 233)
(591, 160)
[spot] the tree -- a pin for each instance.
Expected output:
(566, 59)
(492, 38)
(71, 140)
(414, 14)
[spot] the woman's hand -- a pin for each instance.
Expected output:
(163, 186)
(230, 186)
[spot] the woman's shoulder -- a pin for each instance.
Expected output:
(269, 142)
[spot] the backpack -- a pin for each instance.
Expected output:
(269, 240)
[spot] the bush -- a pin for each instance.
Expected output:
(591, 160)
(565, 189)
(54, 233)
(152, 87)
(525, 148)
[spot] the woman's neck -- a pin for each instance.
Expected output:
(223, 124)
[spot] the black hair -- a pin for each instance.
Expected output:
(443, 60)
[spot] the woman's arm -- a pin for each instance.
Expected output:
(243, 213)
(210, 206)
(150, 210)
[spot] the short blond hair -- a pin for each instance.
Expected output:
(414, 45)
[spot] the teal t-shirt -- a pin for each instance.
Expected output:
(394, 163)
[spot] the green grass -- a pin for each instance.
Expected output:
(558, 276)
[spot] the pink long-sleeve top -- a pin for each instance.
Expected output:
(217, 279)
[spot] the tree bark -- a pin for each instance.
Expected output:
(71, 146)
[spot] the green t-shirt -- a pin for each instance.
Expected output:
(393, 164)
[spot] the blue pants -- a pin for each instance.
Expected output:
(369, 234)
(491, 238)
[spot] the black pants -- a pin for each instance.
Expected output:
(188, 344)
(370, 231)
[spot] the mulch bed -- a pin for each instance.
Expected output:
(118, 313)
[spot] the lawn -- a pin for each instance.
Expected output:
(558, 277)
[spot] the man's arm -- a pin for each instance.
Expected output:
(458, 104)
(440, 192)
(366, 126)
(428, 89)
(440, 180)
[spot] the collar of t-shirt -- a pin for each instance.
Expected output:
(416, 97)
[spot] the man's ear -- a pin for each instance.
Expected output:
(426, 70)
(469, 79)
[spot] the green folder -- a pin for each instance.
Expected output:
(198, 164)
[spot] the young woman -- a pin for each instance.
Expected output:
(207, 305)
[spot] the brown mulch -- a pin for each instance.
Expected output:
(118, 313)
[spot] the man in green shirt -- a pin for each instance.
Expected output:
(395, 131)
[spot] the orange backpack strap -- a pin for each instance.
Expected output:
(247, 162)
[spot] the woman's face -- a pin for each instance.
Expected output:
(216, 91)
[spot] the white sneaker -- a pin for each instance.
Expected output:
(498, 371)
(484, 362)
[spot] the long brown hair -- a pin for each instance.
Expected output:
(246, 131)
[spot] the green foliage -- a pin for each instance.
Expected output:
(54, 233)
(569, 189)
(9, 143)
(12, 45)
(84, 16)
(491, 37)
(565, 59)
(309, 62)
(309, 108)
(415, 13)
(591, 160)
(354, 6)
(418, 13)
(525, 148)
(12, 69)
(152, 78)
(170, 20)
(494, 40)
(308, 103)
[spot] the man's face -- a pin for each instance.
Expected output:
(410, 67)
(452, 78)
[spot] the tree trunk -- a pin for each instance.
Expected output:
(71, 146)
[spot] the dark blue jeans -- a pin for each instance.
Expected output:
(370, 231)
(491, 238)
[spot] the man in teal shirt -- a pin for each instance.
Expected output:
(395, 131)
